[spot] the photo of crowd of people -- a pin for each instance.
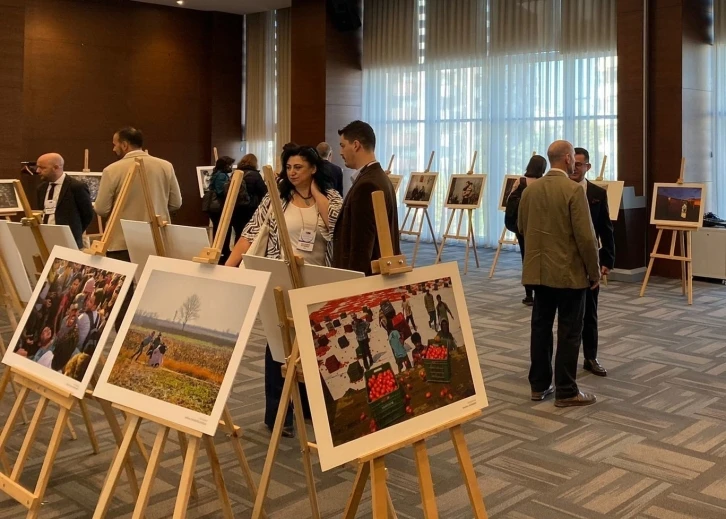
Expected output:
(92, 180)
(465, 191)
(8, 197)
(64, 326)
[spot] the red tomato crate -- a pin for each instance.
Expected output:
(389, 408)
(438, 370)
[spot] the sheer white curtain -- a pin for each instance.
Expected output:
(261, 85)
(718, 197)
(501, 77)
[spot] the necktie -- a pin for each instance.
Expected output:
(49, 197)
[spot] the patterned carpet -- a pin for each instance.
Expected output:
(652, 447)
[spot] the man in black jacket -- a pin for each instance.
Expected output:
(355, 240)
(597, 199)
(332, 170)
(63, 199)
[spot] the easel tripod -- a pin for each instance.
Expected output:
(424, 216)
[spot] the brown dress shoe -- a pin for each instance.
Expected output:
(594, 367)
(541, 395)
(578, 400)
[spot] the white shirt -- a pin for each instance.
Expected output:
(583, 183)
(56, 194)
(299, 218)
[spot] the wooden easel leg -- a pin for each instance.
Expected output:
(391, 510)
(71, 429)
(6, 379)
(218, 477)
(359, 485)
(650, 262)
(689, 267)
(379, 490)
(405, 218)
(89, 426)
(467, 470)
(431, 229)
(418, 236)
(29, 439)
(425, 481)
(151, 470)
(131, 429)
(239, 451)
(684, 282)
(45, 471)
(118, 437)
(496, 254)
(443, 240)
(302, 435)
(473, 238)
(187, 479)
(184, 446)
(10, 426)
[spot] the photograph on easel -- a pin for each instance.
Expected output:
(396, 181)
(182, 340)
(394, 354)
(679, 205)
(8, 197)
(204, 176)
(64, 328)
(420, 188)
(91, 179)
(465, 191)
(507, 187)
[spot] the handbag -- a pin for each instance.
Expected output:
(259, 244)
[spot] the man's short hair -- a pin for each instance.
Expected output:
(131, 135)
(323, 150)
(361, 132)
(583, 152)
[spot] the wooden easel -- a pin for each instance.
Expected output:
(424, 216)
(685, 257)
(33, 221)
(189, 439)
(390, 165)
(469, 236)
(291, 368)
(601, 176)
(372, 465)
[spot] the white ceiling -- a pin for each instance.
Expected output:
(226, 6)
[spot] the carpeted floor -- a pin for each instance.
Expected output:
(652, 447)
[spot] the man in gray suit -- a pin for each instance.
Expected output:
(561, 264)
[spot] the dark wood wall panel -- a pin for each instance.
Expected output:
(94, 66)
(12, 34)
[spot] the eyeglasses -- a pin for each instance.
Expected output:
(581, 164)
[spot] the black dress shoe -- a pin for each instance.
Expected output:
(538, 396)
(579, 399)
(529, 301)
(595, 368)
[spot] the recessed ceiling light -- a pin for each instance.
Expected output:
(180, 2)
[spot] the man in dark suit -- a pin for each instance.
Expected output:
(355, 240)
(597, 199)
(63, 199)
(561, 263)
(332, 170)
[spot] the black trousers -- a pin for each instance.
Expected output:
(589, 329)
(520, 241)
(273, 392)
(569, 305)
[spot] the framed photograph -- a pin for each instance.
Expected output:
(312, 275)
(204, 175)
(9, 202)
(507, 187)
(465, 191)
(379, 366)
(420, 189)
(91, 178)
(615, 195)
(181, 342)
(53, 235)
(679, 205)
(14, 262)
(65, 326)
(396, 181)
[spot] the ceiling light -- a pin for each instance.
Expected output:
(180, 2)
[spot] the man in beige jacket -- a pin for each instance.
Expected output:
(163, 187)
(561, 264)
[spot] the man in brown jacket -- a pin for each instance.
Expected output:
(561, 264)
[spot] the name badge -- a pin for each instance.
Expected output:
(306, 242)
(49, 207)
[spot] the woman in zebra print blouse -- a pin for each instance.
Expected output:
(311, 207)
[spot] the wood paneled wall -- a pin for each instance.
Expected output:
(91, 67)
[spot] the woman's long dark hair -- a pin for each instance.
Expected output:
(310, 156)
(537, 167)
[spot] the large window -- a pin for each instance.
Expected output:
(468, 93)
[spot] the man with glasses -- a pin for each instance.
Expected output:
(597, 199)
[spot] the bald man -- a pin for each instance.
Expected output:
(63, 199)
(561, 264)
(332, 170)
